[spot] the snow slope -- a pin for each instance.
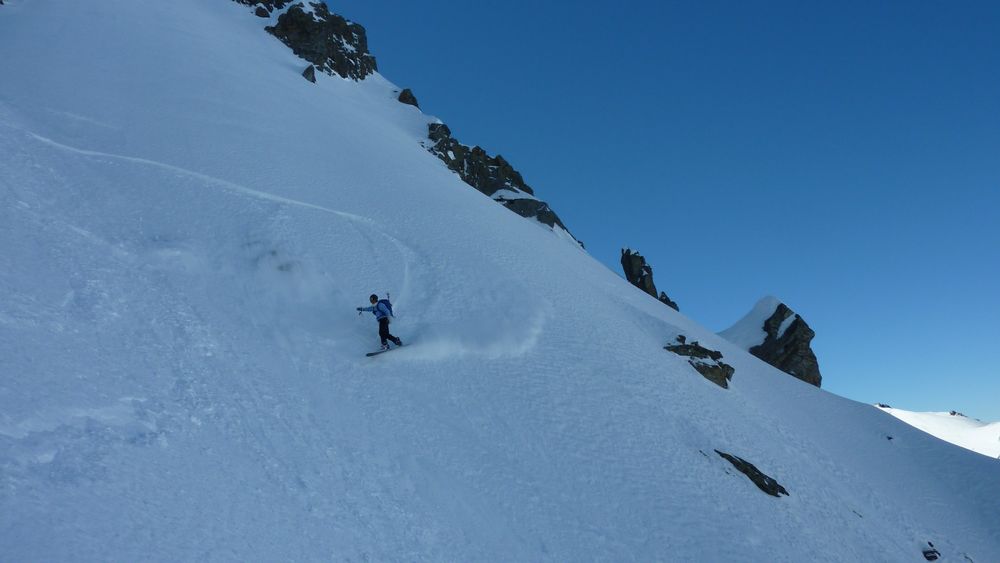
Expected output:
(187, 227)
(969, 433)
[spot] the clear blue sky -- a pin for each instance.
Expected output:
(844, 157)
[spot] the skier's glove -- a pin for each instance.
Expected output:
(359, 308)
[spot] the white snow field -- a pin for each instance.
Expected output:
(187, 226)
(969, 433)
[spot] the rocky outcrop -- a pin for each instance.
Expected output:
(763, 482)
(486, 173)
(786, 346)
(640, 274)
(310, 74)
(336, 46)
(491, 175)
(532, 208)
(331, 43)
(704, 360)
(774, 333)
(407, 97)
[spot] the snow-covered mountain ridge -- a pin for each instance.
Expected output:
(338, 47)
(188, 226)
(954, 427)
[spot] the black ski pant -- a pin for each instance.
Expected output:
(383, 331)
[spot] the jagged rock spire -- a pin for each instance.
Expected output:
(780, 337)
(788, 349)
(640, 274)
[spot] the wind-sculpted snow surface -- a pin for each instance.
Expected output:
(187, 227)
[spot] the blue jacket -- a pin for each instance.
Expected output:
(379, 310)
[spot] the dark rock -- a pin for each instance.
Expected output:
(532, 208)
(407, 97)
(719, 373)
(704, 361)
(491, 175)
(328, 41)
(335, 45)
(637, 272)
(438, 132)
(763, 482)
(640, 274)
(478, 169)
(669, 302)
(693, 350)
(883, 406)
(930, 553)
(789, 351)
(331, 43)
(956, 413)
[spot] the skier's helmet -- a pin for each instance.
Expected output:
(373, 298)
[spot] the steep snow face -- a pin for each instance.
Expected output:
(969, 433)
(188, 226)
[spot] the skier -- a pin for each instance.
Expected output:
(382, 309)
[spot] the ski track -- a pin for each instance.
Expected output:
(75, 443)
(406, 252)
(90, 434)
(436, 348)
(226, 184)
(410, 258)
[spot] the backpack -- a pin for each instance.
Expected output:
(387, 306)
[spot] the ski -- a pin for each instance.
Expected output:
(377, 352)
